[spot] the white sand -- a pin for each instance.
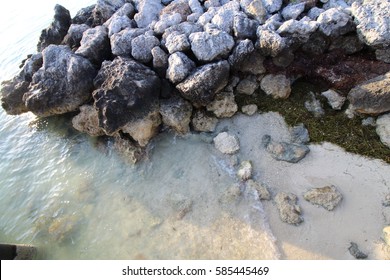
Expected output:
(363, 182)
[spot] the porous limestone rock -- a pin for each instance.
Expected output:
(278, 86)
(88, 121)
(244, 171)
(176, 113)
(223, 105)
(141, 47)
(260, 189)
(203, 123)
(328, 197)
(179, 67)
(289, 210)
(290, 152)
(249, 109)
(226, 143)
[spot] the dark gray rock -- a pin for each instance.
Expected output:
(126, 91)
(202, 85)
(299, 134)
(247, 86)
(62, 84)
(104, 9)
(180, 66)
(75, 34)
(12, 91)
(246, 59)
(354, 251)
(95, 45)
(350, 44)
(244, 27)
(289, 210)
(317, 44)
(269, 42)
(121, 42)
(84, 16)
(180, 7)
(176, 113)
(371, 97)
(285, 151)
(56, 32)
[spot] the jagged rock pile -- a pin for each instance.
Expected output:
(129, 66)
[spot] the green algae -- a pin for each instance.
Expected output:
(334, 127)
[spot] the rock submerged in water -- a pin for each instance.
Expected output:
(355, 252)
(284, 151)
(289, 210)
(328, 197)
(226, 143)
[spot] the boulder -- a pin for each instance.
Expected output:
(300, 31)
(166, 21)
(148, 11)
(104, 9)
(13, 90)
(186, 28)
(289, 210)
(126, 92)
(203, 123)
(88, 121)
(211, 45)
(255, 9)
(317, 44)
(335, 100)
(278, 86)
(141, 47)
(119, 23)
(246, 59)
(180, 66)
(293, 11)
(244, 171)
(180, 7)
(62, 84)
(176, 113)
(176, 42)
(247, 86)
(260, 189)
(84, 16)
(328, 197)
(226, 143)
(270, 42)
(372, 96)
(224, 17)
(224, 105)
(335, 22)
(283, 151)
(121, 42)
(206, 81)
(249, 110)
(244, 27)
(56, 32)
(95, 45)
(372, 22)
(74, 35)
(383, 129)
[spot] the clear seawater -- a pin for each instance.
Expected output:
(74, 198)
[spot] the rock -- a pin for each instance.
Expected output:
(283, 151)
(141, 47)
(224, 105)
(176, 113)
(383, 129)
(56, 32)
(176, 42)
(62, 84)
(211, 3)
(203, 123)
(354, 251)
(273, 6)
(144, 128)
(244, 171)
(246, 59)
(231, 195)
(61, 228)
(372, 96)
(247, 86)
(254, 9)
(278, 86)
(186, 28)
(270, 42)
(328, 197)
(335, 22)
(121, 42)
(95, 45)
(226, 143)
(206, 81)
(84, 16)
(195, 6)
(13, 90)
(88, 121)
(284, 59)
(386, 235)
(119, 23)
(243, 27)
(289, 210)
(160, 61)
(260, 189)
(335, 100)
(383, 55)
(273, 22)
(211, 45)
(126, 91)
(350, 44)
(180, 205)
(224, 17)
(249, 110)
(148, 11)
(206, 17)
(166, 21)
(180, 7)
(104, 9)
(180, 66)
(74, 35)
(299, 30)
(292, 11)
(315, 12)
(317, 44)
(128, 150)
(314, 106)
(299, 134)
(372, 22)
(370, 121)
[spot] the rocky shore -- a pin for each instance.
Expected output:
(132, 67)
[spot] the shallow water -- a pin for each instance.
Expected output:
(73, 198)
